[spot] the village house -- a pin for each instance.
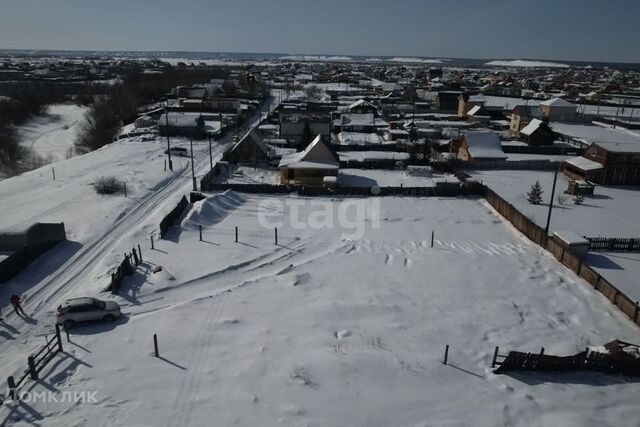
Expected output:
(480, 146)
(447, 100)
(250, 149)
(177, 123)
(537, 132)
(583, 169)
(358, 122)
(559, 110)
(620, 163)
(521, 115)
(310, 166)
(363, 107)
(292, 125)
(466, 102)
(191, 97)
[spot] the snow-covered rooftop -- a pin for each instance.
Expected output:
(484, 145)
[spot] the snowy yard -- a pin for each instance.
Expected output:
(387, 178)
(610, 212)
(343, 323)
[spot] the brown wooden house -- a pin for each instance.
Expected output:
(621, 162)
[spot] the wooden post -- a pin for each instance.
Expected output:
(446, 354)
(152, 242)
(67, 332)
(125, 189)
(140, 253)
(155, 345)
(11, 384)
(165, 165)
(541, 351)
(236, 234)
(59, 338)
(495, 357)
(432, 234)
(200, 230)
(276, 235)
(635, 313)
(32, 367)
(53, 171)
(597, 282)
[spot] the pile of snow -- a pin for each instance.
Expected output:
(526, 63)
(315, 58)
(212, 210)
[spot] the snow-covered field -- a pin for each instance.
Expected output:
(338, 325)
(52, 135)
(526, 63)
(610, 212)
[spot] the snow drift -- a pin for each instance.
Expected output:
(212, 210)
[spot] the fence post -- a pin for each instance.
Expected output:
(152, 242)
(155, 345)
(59, 338)
(276, 235)
(236, 234)
(165, 165)
(53, 171)
(135, 256)
(32, 367)
(597, 282)
(495, 357)
(541, 351)
(140, 253)
(635, 313)
(200, 230)
(432, 234)
(125, 189)
(446, 354)
(66, 331)
(11, 384)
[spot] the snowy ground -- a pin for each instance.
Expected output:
(386, 178)
(249, 175)
(52, 135)
(333, 327)
(610, 212)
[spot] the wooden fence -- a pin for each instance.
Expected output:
(444, 189)
(536, 234)
(544, 165)
(172, 216)
(583, 361)
(126, 268)
(36, 362)
(613, 244)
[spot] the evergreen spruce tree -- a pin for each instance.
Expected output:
(534, 196)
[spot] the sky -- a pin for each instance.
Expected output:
(581, 30)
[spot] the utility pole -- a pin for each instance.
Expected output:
(167, 130)
(210, 154)
(553, 191)
(193, 172)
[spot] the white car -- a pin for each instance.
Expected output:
(86, 309)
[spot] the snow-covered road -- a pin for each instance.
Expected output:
(95, 224)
